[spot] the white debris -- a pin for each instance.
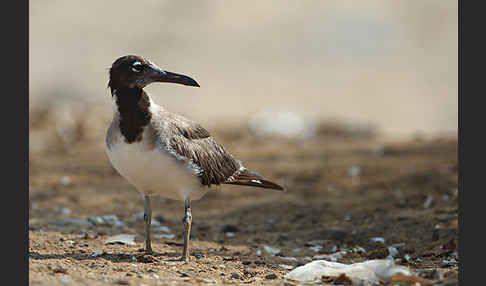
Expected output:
(286, 267)
(332, 257)
(354, 171)
(97, 253)
(163, 236)
(271, 250)
(69, 242)
(365, 273)
(259, 252)
(283, 123)
(428, 201)
(128, 239)
(285, 258)
(407, 257)
(65, 180)
(377, 239)
(106, 220)
(316, 248)
(230, 234)
(392, 252)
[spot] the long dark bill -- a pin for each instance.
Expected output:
(165, 76)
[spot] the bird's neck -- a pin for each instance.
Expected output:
(132, 107)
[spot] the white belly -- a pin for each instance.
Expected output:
(153, 172)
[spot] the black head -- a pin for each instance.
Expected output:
(134, 71)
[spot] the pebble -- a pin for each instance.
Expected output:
(286, 267)
(271, 276)
(271, 250)
(155, 276)
(316, 248)
(377, 240)
(128, 239)
(111, 220)
(70, 221)
(392, 252)
(235, 275)
(354, 171)
(97, 253)
(293, 259)
(65, 181)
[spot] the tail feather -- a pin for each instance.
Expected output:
(247, 177)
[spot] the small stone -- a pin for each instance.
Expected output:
(97, 253)
(70, 221)
(354, 171)
(128, 239)
(271, 276)
(286, 267)
(377, 240)
(235, 275)
(155, 276)
(65, 181)
(271, 250)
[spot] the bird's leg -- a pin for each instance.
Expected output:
(187, 220)
(147, 216)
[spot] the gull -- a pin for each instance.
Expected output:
(162, 153)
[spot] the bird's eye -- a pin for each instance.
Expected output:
(137, 67)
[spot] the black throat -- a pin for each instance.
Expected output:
(133, 107)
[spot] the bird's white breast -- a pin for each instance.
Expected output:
(150, 168)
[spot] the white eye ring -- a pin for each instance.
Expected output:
(136, 67)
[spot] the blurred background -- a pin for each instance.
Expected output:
(360, 97)
(387, 64)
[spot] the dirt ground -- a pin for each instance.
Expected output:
(343, 188)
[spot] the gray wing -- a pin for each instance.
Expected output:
(189, 143)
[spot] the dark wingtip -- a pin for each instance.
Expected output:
(247, 177)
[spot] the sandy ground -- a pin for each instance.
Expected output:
(343, 188)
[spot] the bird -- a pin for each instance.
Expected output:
(163, 153)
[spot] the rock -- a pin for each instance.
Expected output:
(65, 181)
(354, 171)
(271, 276)
(365, 273)
(286, 267)
(271, 250)
(331, 257)
(97, 253)
(235, 275)
(111, 220)
(128, 239)
(70, 221)
(377, 240)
